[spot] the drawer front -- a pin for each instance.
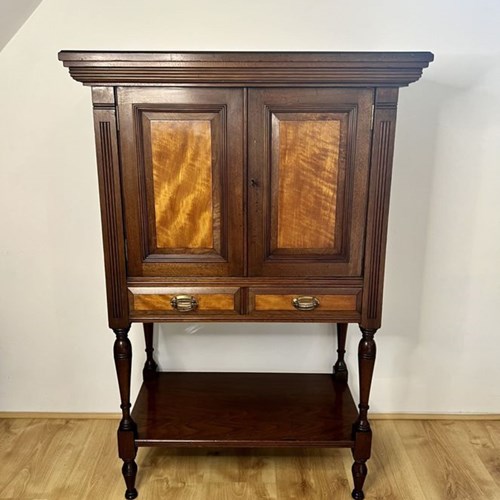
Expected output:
(305, 302)
(183, 301)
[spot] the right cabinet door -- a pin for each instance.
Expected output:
(308, 162)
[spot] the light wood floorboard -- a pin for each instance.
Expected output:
(68, 459)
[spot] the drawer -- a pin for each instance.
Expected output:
(183, 301)
(306, 302)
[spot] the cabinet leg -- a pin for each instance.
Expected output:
(340, 368)
(362, 433)
(150, 365)
(129, 471)
(127, 430)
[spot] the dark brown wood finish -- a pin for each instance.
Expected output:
(245, 187)
(344, 69)
(340, 372)
(127, 430)
(384, 129)
(150, 367)
(108, 169)
(244, 410)
(361, 430)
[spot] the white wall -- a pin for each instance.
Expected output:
(13, 13)
(438, 348)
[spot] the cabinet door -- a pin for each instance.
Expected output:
(182, 160)
(308, 179)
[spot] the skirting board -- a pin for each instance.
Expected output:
(372, 416)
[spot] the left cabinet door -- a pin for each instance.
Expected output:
(182, 164)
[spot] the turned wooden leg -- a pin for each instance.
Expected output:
(362, 433)
(129, 471)
(150, 365)
(127, 430)
(340, 368)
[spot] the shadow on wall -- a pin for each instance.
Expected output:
(414, 164)
(435, 218)
(417, 128)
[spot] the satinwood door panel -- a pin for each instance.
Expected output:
(182, 160)
(308, 162)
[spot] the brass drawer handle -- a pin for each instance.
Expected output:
(184, 303)
(305, 303)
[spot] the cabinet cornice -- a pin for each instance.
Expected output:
(394, 69)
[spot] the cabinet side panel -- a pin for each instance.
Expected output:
(111, 216)
(384, 128)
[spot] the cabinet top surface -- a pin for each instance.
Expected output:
(245, 68)
(123, 55)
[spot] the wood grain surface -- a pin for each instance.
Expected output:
(283, 302)
(206, 302)
(113, 231)
(182, 181)
(182, 157)
(308, 164)
(209, 299)
(285, 182)
(307, 191)
(244, 409)
(255, 68)
(64, 459)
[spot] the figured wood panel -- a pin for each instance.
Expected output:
(182, 182)
(307, 191)
(283, 302)
(308, 162)
(155, 302)
(221, 299)
(340, 304)
(182, 156)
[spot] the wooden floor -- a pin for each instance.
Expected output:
(47, 459)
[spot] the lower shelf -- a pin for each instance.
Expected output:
(244, 410)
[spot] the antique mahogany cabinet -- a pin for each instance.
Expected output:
(244, 187)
